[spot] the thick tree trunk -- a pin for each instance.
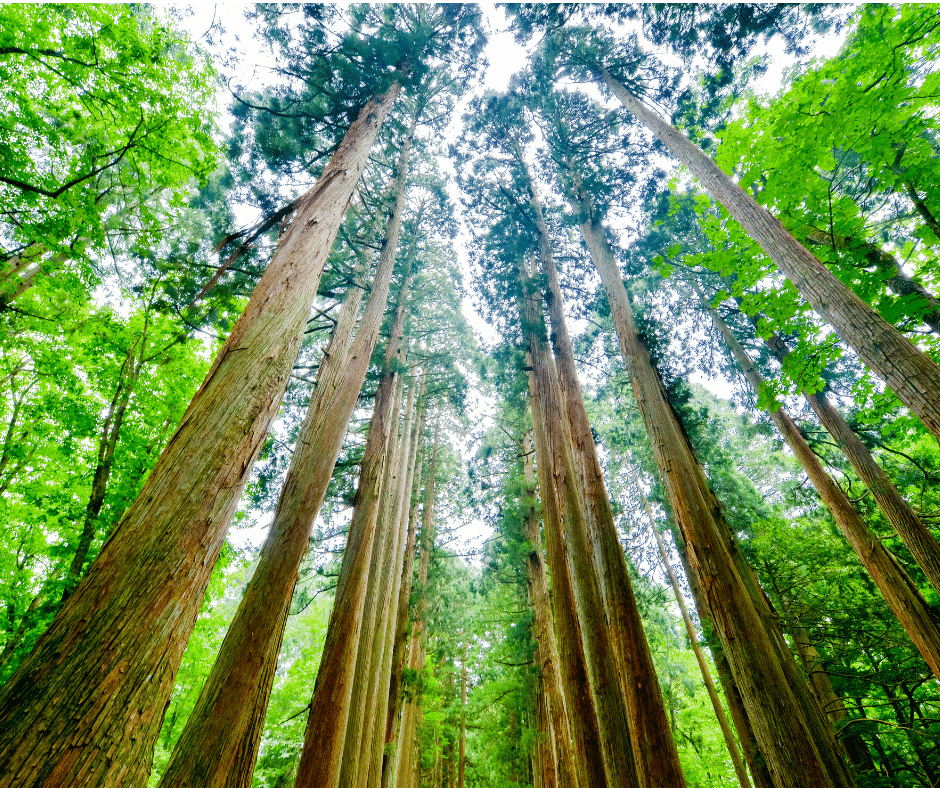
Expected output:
(905, 368)
(553, 696)
(915, 535)
(903, 598)
(732, 745)
(85, 708)
(796, 747)
(600, 658)
(219, 745)
(752, 754)
(326, 731)
(654, 749)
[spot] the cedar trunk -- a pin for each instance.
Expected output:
(325, 734)
(913, 376)
(600, 658)
(654, 749)
(796, 747)
(85, 708)
(219, 745)
(901, 595)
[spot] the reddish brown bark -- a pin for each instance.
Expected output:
(85, 708)
(219, 745)
(600, 659)
(913, 376)
(791, 734)
(902, 597)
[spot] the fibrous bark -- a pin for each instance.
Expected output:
(913, 376)
(85, 708)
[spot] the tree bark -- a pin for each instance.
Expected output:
(219, 745)
(600, 659)
(554, 701)
(736, 759)
(324, 738)
(903, 598)
(915, 535)
(795, 746)
(654, 749)
(85, 708)
(904, 367)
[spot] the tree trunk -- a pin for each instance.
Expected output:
(915, 535)
(393, 721)
(219, 745)
(736, 759)
(904, 367)
(579, 704)
(409, 764)
(326, 731)
(553, 696)
(85, 708)
(107, 443)
(600, 658)
(462, 749)
(752, 754)
(654, 749)
(887, 265)
(901, 595)
(795, 746)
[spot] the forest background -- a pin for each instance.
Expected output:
(137, 221)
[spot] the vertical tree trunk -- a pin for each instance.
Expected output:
(462, 750)
(393, 721)
(325, 734)
(901, 595)
(736, 759)
(107, 444)
(654, 749)
(752, 754)
(796, 747)
(904, 367)
(920, 541)
(579, 704)
(600, 659)
(409, 762)
(554, 703)
(219, 745)
(85, 708)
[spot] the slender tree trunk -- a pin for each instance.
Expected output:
(915, 535)
(904, 367)
(795, 746)
(393, 722)
(921, 207)
(600, 658)
(85, 708)
(901, 595)
(324, 738)
(107, 444)
(736, 759)
(654, 749)
(408, 773)
(462, 750)
(553, 696)
(219, 745)
(579, 704)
